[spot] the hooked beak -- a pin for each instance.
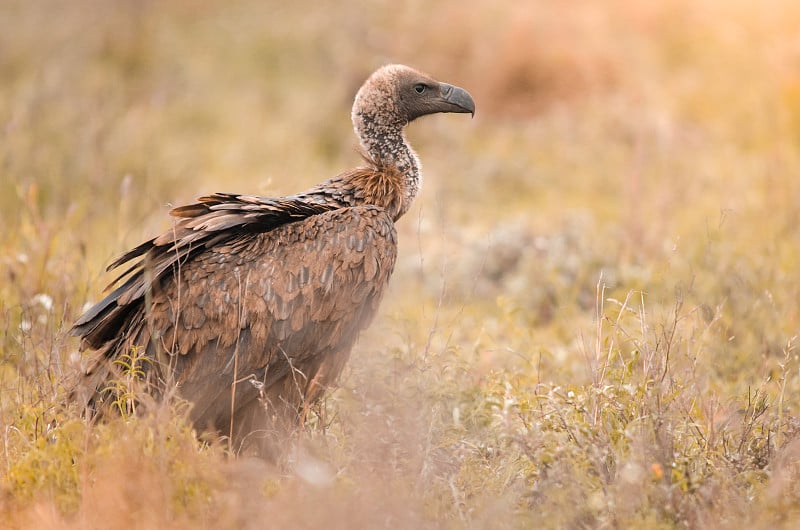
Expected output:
(457, 99)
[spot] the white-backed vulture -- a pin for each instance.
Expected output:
(249, 306)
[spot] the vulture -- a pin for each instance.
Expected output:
(248, 307)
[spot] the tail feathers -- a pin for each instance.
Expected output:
(102, 324)
(95, 372)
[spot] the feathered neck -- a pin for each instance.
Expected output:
(386, 149)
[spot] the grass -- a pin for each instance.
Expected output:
(594, 318)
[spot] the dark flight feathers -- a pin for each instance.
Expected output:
(211, 221)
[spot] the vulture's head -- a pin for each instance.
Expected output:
(395, 95)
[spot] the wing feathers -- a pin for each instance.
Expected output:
(285, 296)
(203, 225)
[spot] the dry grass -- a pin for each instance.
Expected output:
(594, 319)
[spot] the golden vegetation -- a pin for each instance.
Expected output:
(594, 317)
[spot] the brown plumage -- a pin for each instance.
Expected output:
(249, 306)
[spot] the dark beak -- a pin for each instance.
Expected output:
(457, 99)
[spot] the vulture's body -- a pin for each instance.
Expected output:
(249, 306)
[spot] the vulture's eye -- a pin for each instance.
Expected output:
(419, 88)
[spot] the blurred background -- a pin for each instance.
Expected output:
(625, 202)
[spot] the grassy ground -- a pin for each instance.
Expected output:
(594, 319)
